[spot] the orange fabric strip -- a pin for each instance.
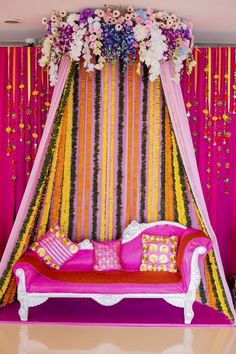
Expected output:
(80, 175)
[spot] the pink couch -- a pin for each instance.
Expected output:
(37, 283)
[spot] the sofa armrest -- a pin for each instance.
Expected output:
(188, 245)
(29, 271)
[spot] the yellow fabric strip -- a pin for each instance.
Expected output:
(14, 76)
(169, 195)
(88, 152)
(112, 150)
(219, 68)
(29, 73)
(67, 167)
(157, 147)
(57, 189)
(129, 182)
(80, 174)
(104, 154)
(209, 80)
(195, 69)
(150, 155)
(177, 182)
(229, 77)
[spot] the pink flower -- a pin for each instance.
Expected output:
(116, 13)
(75, 28)
(92, 37)
(92, 45)
(129, 23)
(130, 9)
(139, 20)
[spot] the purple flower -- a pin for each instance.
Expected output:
(85, 14)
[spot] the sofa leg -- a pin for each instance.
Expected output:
(188, 311)
(24, 309)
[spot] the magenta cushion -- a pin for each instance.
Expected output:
(55, 248)
(131, 252)
(107, 255)
(159, 253)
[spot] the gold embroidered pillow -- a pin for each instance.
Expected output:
(159, 253)
(55, 248)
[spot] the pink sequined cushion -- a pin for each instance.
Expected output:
(107, 255)
(55, 248)
(159, 253)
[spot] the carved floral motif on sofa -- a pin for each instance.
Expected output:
(159, 260)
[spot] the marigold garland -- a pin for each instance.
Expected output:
(65, 201)
(163, 158)
(177, 182)
(150, 194)
(73, 173)
(157, 146)
(112, 151)
(104, 155)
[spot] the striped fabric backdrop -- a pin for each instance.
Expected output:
(116, 159)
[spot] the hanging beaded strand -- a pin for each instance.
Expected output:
(9, 89)
(207, 124)
(195, 103)
(35, 93)
(226, 122)
(21, 87)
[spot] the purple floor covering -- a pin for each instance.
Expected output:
(129, 312)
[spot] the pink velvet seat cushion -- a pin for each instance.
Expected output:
(54, 247)
(107, 256)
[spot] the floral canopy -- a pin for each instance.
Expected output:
(99, 36)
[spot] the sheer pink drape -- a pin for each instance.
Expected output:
(35, 173)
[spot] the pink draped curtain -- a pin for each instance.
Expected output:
(210, 100)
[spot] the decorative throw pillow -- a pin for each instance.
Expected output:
(55, 248)
(159, 253)
(107, 255)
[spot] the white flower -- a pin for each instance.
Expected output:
(96, 25)
(71, 19)
(53, 73)
(139, 32)
(44, 60)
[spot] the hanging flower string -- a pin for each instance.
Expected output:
(99, 36)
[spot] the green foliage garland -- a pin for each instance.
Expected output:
(144, 145)
(120, 150)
